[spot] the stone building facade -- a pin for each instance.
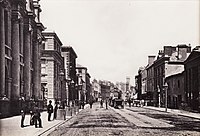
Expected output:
(175, 90)
(96, 89)
(52, 69)
(70, 56)
(20, 43)
(82, 73)
(106, 87)
(169, 62)
(192, 78)
(150, 79)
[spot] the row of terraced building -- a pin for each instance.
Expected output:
(171, 78)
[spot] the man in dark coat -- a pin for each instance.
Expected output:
(23, 110)
(49, 110)
(37, 116)
(55, 110)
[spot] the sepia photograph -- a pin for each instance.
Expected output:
(99, 67)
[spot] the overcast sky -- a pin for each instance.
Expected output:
(113, 38)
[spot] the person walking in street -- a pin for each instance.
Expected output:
(83, 104)
(106, 104)
(37, 116)
(49, 110)
(91, 102)
(55, 111)
(101, 103)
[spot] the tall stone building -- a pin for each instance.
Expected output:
(150, 79)
(96, 89)
(20, 42)
(82, 72)
(52, 64)
(70, 56)
(192, 78)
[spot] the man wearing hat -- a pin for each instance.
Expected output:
(49, 110)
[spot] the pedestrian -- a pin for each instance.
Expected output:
(22, 116)
(55, 111)
(101, 103)
(106, 104)
(129, 101)
(37, 116)
(32, 114)
(49, 110)
(83, 104)
(91, 102)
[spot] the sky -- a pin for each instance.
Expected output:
(113, 38)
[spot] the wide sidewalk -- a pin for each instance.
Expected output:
(176, 111)
(11, 126)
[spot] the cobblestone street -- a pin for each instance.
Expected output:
(128, 122)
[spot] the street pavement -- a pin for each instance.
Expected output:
(176, 111)
(11, 126)
(99, 121)
(130, 121)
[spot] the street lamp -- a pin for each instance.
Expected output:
(69, 91)
(62, 74)
(158, 96)
(72, 86)
(165, 86)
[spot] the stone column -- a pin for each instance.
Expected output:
(15, 57)
(2, 53)
(27, 59)
(9, 44)
(36, 66)
(39, 66)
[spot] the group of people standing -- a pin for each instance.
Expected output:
(35, 115)
(51, 110)
(101, 104)
(35, 118)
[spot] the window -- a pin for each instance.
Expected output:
(178, 83)
(79, 71)
(43, 45)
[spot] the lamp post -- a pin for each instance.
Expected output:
(61, 88)
(80, 93)
(158, 96)
(69, 90)
(165, 86)
(73, 88)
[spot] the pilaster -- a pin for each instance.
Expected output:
(36, 65)
(2, 52)
(27, 58)
(15, 56)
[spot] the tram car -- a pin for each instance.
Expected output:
(116, 100)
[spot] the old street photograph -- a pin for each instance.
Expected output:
(99, 67)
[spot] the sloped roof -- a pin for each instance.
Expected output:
(193, 55)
